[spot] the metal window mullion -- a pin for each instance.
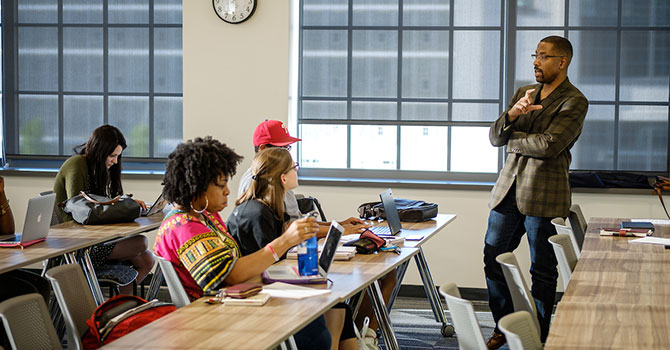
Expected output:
(10, 105)
(399, 85)
(350, 35)
(450, 82)
(105, 61)
(504, 32)
(151, 79)
(299, 82)
(61, 87)
(617, 87)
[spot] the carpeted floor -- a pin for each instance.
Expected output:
(417, 329)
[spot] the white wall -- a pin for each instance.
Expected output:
(237, 75)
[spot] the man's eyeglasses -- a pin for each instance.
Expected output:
(542, 56)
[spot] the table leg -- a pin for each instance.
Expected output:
(355, 303)
(89, 271)
(431, 293)
(400, 271)
(382, 316)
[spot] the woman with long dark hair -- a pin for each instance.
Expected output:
(96, 169)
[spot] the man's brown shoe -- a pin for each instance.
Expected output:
(497, 340)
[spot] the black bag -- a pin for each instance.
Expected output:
(90, 209)
(408, 210)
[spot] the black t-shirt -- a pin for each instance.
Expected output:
(253, 225)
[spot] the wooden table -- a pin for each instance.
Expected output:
(618, 296)
(203, 326)
(427, 229)
(69, 237)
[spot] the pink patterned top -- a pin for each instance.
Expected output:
(203, 253)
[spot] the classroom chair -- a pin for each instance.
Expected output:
(176, 289)
(75, 299)
(563, 229)
(565, 254)
(28, 324)
(578, 224)
(518, 288)
(520, 331)
(463, 315)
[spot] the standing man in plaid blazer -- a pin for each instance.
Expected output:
(538, 128)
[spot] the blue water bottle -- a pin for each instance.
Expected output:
(308, 254)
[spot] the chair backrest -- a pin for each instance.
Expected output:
(463, 315)
(565, 254)
(28, 324)
(307, 204)
(563, 229)
(176, 289)
(74, 298)
(518, 288)
(56, 213)
(578, 224)
(520, 331)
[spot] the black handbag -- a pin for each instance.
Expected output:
(408, 210)
(91, 209)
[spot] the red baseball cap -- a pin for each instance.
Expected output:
(273, 132)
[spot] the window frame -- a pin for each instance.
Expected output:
(17, 162)
(508, 46)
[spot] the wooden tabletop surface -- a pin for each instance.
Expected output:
(70, 236)
(203, 326)
(618, 296)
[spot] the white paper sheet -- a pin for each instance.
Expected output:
(292, 291)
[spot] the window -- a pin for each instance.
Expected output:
(408, 88)
(73, 65)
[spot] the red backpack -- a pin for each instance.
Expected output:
(119, 316)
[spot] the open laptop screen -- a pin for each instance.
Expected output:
(391, 211)
(330, 246)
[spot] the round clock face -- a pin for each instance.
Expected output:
(234, 11)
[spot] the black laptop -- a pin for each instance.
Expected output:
(392, 217)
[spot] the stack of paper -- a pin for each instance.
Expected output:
(257, 300)
(292, 291)
(342, 252)
(652, 240)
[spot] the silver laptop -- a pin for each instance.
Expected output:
(289, 274)
(158, 205)
(392, 217)
(36, 226)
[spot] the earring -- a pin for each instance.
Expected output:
(203, 209)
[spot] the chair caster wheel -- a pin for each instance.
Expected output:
(448, 330)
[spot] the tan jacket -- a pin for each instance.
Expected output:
(538, 151)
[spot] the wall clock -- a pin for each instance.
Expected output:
(234, 11)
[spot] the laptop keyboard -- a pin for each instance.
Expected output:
(380, 230)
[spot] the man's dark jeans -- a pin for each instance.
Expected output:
(506, 227)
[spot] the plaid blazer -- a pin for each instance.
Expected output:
(538, 151)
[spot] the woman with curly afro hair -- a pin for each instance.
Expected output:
(194, 238)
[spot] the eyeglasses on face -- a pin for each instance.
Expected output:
(542, 56)
(295, 166)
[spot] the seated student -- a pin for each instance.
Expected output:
(273, 134)
(97, 169)
(194, 238)
(260, 218)
(16, 282)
